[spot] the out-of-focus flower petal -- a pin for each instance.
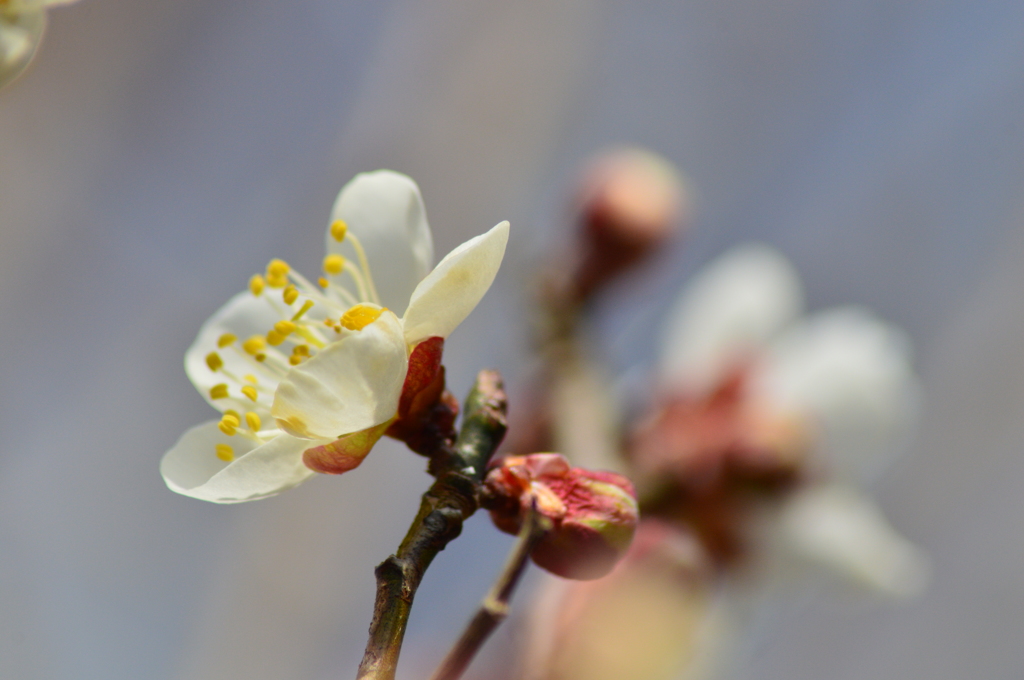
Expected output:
(192, 467)
(837, 526)
(384, 210)
(450, 292)
(852, 372)
(351, 385)
(734, 305)
(20, 33)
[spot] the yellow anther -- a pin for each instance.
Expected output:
(234, 414)
(301, 350)
(253, 421)
(306, 306)
(323, 282)
(295, 359)
(278, 268)
(231, 419)
(260, 357)
(334, 263)
(225, 340)
(225, 452)
(250, 392)
(275, 337)
(228, 424)
(277, 273)
(254, 344)
(214, 361)
(339, 229)
(285, 326)
(219, 391)
(290, 295)
(359, 317)
(250, 377)
(256, 284)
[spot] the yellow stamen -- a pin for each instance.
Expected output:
(278, 268)
(253, 421)
(250, 392)
(338, 230)
(228, 424)
(323, 282)
(359, 317)
(250, 377)
(295, 359)
(214, 361)
(301, 350)
(290, 295)
(254, 344)
(275, 337)
(306, 306)
(260, 357)
(284, 326)
(256, 284)
(225, 452)
(225, 340)
(277, 273)
(334, 263)
(219, 391)
(233, 413)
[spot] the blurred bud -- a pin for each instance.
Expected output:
(593, 514)
(631, 202)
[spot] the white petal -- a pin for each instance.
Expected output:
(839, 527)
(852, 372)
(453, 289)
(733, 306)
(19, 37)
(192, 468)
(384, 210)
(353, 384)
(243, 316)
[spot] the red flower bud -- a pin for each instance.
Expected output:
(631, 203)
(593, 514)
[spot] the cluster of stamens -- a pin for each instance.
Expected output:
(293, 339)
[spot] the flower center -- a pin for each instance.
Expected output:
(308, 318)
(359, 317)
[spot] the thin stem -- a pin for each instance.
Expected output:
(494, 607)
(449, 501)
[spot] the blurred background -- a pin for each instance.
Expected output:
(157, 154)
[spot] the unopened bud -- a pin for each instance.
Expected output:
(632, 201)
(593, 514)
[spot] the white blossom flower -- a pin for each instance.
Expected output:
(846, 372)
(312, 375)
(21, 27)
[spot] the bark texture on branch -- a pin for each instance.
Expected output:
(452, 498)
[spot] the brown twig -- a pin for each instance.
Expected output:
(459, 470)
(494, 607)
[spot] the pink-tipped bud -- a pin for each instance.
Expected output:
(593, 514)
(632, 201)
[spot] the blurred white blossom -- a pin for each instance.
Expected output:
(21, 28)
(844, 371)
